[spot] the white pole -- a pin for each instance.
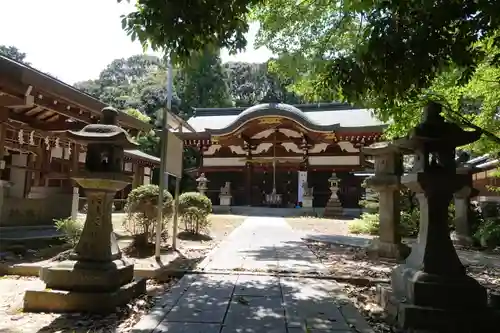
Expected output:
(163, 157)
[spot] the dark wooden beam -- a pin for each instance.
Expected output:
(44, 126)
(11, 101)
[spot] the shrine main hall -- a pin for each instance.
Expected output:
(267, 151)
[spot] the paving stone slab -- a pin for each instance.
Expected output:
(252, 311)
(242, 329)
(314, 330)
(163, 305)
(252, 285)
(167, 327)
(212, 285)
(198, 310)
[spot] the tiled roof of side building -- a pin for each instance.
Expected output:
(322, 114)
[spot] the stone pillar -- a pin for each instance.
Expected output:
(431, 291)
(463, 232)
(386, 181)
(225, 195)
(75, 200)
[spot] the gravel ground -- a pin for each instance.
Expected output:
(355, 266)
(15, 321)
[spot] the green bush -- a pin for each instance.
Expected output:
(71, 230)
(409, 223)
(488, 233)
(142, 212)
(194, 209)
(368, 223)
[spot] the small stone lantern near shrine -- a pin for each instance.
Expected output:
(307, 195)
(225, 194)
(431, 291)
(202, 183)
(95, 278)
(386, 181)
(333, 207)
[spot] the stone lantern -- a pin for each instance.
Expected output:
(431, 291)
(202, 183)
(386, 181)
(95, 278)
(333, 207)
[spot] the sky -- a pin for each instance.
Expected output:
(75, 39)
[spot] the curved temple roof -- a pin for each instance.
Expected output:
(320, 117)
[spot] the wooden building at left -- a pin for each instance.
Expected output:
(37, 161)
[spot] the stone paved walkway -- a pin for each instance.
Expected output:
(242, 302)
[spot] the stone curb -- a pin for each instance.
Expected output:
(30, 269)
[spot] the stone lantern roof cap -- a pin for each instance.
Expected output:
(434, 133)
(107, 131)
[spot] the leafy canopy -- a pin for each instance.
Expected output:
(189, 25)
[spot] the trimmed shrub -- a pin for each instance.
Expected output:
(368, 224)
(71, 230)
(194, 209)
(142, 212)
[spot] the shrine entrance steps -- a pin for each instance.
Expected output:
(243, 287)
(280, 212)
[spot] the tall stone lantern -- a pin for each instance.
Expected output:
(386, 181)
(333, 207)
(95, 278)
(202, 183)
(431, 291)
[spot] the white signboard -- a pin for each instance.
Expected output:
(300, 191)
(175, 149)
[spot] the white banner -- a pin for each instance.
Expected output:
(175, 150)
(300, 191)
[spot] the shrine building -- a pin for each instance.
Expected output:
(37, 160)
(267, 151)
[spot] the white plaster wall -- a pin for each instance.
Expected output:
(224, 161)
(18, 176)
(147, 180)
(127, 166)
(82, 157)
(333, 160)
(57, 152)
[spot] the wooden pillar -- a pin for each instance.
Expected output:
(201, 149)
(138, 176)
(3, 132)
(74, 158)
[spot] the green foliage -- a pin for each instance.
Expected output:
(13, 53)
(367, 224)
(194, 209)
(71, 230)
(488, 233)
(202, 80)
(137, 114)
(186, 26)
(142, 210)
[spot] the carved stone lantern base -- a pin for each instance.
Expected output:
(333, 208)
(431, 290)
(225, 200)
(95, 278)
(379, 248)
(307, 201)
